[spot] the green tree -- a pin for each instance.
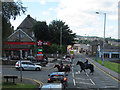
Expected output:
(41, 31)
(55, 28)
(10, 10)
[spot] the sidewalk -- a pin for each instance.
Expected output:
(107, 70)
(26, 81)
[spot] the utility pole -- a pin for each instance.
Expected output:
(61, 40)
(20, 65)
(104, 36)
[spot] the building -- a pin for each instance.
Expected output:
(22, 39)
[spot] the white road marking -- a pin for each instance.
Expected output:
(84, 83)
(74, 82)
(82, 78)
(73, 74)
(87, 75)
(92, 81)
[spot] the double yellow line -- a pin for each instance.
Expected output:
(39, 82)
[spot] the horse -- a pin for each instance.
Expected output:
(59, 68)
(88, 66)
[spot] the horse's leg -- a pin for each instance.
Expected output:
(84, 70)
(81, 70)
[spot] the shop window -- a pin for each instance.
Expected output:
(115, 55)
(106, 55)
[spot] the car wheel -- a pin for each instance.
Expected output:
(38, 69)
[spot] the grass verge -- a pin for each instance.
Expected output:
(111, 65)
(18, 85)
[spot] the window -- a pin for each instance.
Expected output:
(22, 36)
(17, 35)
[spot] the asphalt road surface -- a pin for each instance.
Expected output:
(98, 81)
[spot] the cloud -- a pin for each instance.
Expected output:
(45, 13)
(81, 17)
(42, 2)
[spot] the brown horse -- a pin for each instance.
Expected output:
(89, 66)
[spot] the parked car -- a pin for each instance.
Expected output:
(4, 58)
(27, 65)
(52, 86)
(30, 57)
(15, 57)
(58, 77)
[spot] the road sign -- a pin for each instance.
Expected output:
(39, 43)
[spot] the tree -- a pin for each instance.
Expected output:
(41, 31)
(10, 10)
(55, 28)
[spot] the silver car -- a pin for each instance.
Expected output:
(27, 65)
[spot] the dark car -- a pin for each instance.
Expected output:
(58, 77)
(15, 57)
(66, 65)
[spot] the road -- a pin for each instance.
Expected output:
(76, 79)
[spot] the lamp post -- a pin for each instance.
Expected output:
(61, 40)
(104, 34)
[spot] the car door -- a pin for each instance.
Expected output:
(31, 66)
(24, 65)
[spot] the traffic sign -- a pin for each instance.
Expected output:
(39, 43)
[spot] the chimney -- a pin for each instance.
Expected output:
(28, 16)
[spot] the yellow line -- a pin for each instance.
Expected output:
(39, 82)
(105, 72)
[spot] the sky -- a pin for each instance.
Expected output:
(79, 15)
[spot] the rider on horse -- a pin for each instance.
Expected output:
(86, 63)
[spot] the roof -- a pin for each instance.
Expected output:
(22, 32)
(58, 73)
(28, 22)
(51, 86)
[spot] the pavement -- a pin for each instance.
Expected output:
(108, 71)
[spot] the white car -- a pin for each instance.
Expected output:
(27, 65)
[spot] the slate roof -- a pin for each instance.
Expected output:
(27, 23)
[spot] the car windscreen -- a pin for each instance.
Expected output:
(57, 76)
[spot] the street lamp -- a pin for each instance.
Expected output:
(61, 40)
(104, 35)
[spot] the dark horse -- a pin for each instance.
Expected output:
(60, 69)
(89, 66)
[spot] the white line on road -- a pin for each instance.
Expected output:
(84, 83)
(74, 82)
(73, 74)
(82, 78)
(87, 75)
(92, 81)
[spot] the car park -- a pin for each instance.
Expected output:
(52, 86)
(27, 65)
(58, 77)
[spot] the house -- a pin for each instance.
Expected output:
(109, 51)
(22, 39)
